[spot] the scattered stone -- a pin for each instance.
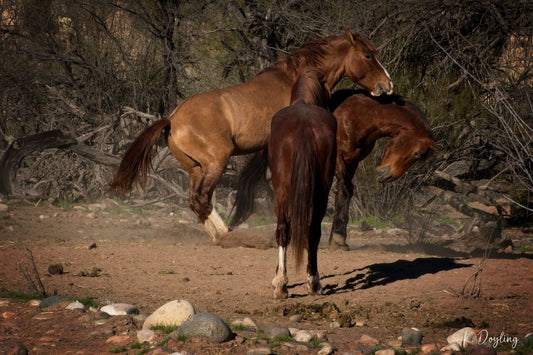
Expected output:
(334, 325)
(360, 323)
(304, 336)
(411, 336)
(295, 318)
(320, 334)
(43, 217)
(7, 314)
(95, 207)
(368, 340)
(293, 331)
(428, 348)
(75, 305)
(385, 352)
(119, 309)
(119, 340)
(173, 313)
(3, 207)
(260, 350)
(145, 335)
(276, 331)
(92, 246)
(34, 303)
(246, 322)
(55, 269)
(452, 347)
(52, 301)
(326, 349)
(463, 337)
(205, 326)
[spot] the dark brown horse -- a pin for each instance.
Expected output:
(301, 155)
(361, 121)
(206, 129)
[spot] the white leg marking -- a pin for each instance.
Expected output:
(313, 284)
(215, 226)
(280, 280)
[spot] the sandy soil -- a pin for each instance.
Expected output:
(149, 256)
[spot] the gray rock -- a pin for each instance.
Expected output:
(411, 336)
(119, 309)
(276, 331)
(173, 313)
(52, 301)
(528, 339)
(205, 326)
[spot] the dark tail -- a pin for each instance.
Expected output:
(138, 157)
(301, 195)
(251, 176)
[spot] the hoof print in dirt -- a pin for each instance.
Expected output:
(206, 326)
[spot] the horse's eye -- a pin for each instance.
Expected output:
(416, 155)
(368, 56)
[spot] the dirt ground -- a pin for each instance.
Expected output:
(149, 256)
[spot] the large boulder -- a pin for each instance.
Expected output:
(173, 313)
(206, 326)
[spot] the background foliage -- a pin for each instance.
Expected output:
(102, 70)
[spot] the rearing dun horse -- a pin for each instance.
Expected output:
(205, 130)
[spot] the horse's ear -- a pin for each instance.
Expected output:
(350, 36)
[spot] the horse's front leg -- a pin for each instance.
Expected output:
(343, 196)
(280, 281)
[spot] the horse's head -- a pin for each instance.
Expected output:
(401, 153)
(361, 65)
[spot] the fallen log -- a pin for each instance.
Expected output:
(19, 148)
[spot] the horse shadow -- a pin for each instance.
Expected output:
(381, 274)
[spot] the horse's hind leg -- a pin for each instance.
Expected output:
(202, 183)
(280, 281)
(313, 279)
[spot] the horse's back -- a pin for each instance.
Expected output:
(238, 114)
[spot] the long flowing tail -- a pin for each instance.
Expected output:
(251, 176)
(304, 167)
(138, 157)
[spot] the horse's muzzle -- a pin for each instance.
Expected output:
(383, 89)
(384, 174)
